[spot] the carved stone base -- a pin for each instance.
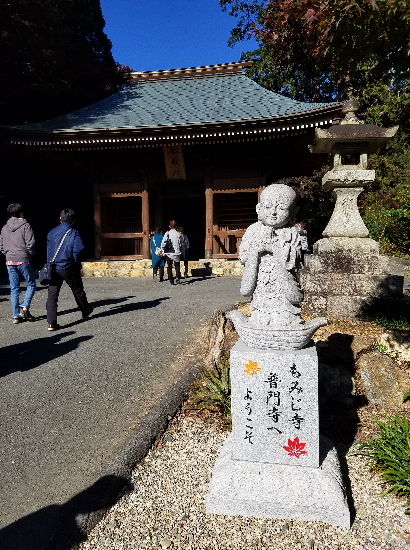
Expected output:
(261, 490)
(337, 282)
(343, 245)
(274, 338)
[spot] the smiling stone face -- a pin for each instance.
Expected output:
(276, 205)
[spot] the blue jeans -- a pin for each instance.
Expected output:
(14, 277)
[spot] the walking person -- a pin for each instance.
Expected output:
(184, 250)
(171, 245)
(17, 244)
(67, 267)
(303, 236)
(158, 262)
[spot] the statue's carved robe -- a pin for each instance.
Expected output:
(271, 257)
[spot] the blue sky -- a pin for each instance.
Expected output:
(170, 34)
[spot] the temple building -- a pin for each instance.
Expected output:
(197, 145)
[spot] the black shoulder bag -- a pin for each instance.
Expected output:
(46, 272)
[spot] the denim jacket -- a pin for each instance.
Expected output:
(70, 253)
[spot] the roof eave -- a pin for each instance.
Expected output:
(330, 110)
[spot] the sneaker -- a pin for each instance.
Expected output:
(26, 315)
(17, 320)
(88, 312)
(53, 326)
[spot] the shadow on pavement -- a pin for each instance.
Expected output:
(191, 280)
(32, 354)
(132, 307)
(126, 308)
(59, 527)
(95, 303)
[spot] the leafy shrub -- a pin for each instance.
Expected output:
(386, 204)
(213, 391)
(387, 313)
(390, 455)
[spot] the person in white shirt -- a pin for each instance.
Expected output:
(172, 245)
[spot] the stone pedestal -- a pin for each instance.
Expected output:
(262, 490)
(342, 274)
(274, 464)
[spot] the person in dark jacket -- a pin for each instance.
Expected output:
(17, 244)
(67, 267)
(184, 251)
(158, 262)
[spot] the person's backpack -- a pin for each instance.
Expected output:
(167, 244)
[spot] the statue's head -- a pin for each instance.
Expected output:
(276, 205)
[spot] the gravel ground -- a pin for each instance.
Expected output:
(166, 506)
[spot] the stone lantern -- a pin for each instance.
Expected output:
(345, 267)
(349, 144)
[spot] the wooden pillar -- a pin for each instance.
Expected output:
(145, 221)
(97, 221)
(209, 217)
(158, 208)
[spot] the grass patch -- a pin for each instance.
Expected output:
(213, 391)
(389, 454)
(387, 313)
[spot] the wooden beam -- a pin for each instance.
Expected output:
(122, 235)
(246, 190)
(97, 221)
(230, 233)
(145, 221)
(209, 216)
(119, 195)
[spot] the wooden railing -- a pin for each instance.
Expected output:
(226, 243)
(121, 246)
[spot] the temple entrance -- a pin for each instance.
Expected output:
(233, 213)
(188, 209)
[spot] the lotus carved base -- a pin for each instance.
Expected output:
(275, 338)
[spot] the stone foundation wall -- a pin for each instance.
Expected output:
(336, 285)
(142, 268)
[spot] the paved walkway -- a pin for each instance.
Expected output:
(72, 399)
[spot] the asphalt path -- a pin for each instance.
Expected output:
(72, 400)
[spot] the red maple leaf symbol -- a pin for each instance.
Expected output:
(295, 448)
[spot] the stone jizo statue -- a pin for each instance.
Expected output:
(271, 253)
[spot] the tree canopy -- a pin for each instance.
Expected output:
(326, 50)
(319, 50)
(54, 58)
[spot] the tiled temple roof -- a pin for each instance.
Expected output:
(180, 98)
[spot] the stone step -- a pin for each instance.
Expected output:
(142, 268)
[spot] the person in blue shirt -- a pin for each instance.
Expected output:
(158, 262)
(67, 267)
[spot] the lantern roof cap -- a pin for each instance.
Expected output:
(352, 130)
